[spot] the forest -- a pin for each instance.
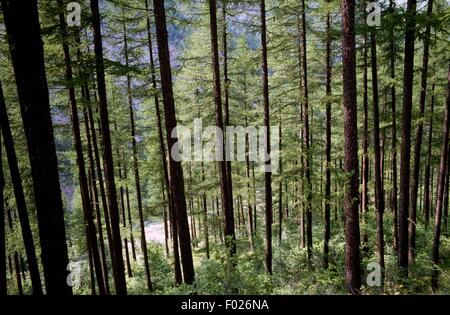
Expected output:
(224, 147)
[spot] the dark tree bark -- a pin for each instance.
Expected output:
(176, 172)
(3, 284)
(249, 192)
(440, 187)
(268, 172)
(327, 231)
(91, 138)
(428, 177)
(24, 35)
(352, 241)
(394, 133)
(205, 214)
(408, 76)
(166, 226)
(307, 186)
(379, 193)
(164, 157)
(365, 144)
(136, 167)
(99, 173)
(18, 277)
(446, 195)
(226, 95)
(116, 255)
(227, 202)
(91, 236)
(130, 225)
(19, 196)
(280, 184)
(418, 143)
(91, 270)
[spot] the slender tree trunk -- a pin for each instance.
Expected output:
(280, 184)
(379, 193)
(365, 145)
(24, 35)
(428, 172)
(136, 167)
(226, 99)
(408, 76)
(306, 138)
(267, 174)
(327, 227)
(20, 197)
(418, 144)
(91, 270)
(3, 283)
(18, 277)
(116, 255)
(99, 174)
(164, 157)
(446, 195)
(166, 228)
(130, 225)
(227, 202)
(95, 199)
(176, 172)
(91, 236)
(352, 241)
(394, 133)
(205, 215)
(440, 187)
(249, 199)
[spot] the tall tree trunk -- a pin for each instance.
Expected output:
(306, 139)
(428, 173)
(440, 187)
(268, 172)
(18, 277)
(394, 133)
(136, 167)
(91, 270)
(164, 157)
(3, 283)
(227, 202)
(99, 174)
(205, 215)
(352, 241)
(418, 143)
(365, 145)
(250, 200)
(446, 195)
(176, 171)
(19, 196)
(166, 227)
(24, 35)
(408, 76)
(379, 193)
(116, 255)
(226, 99)
(327, 227)
(280, 184)
(91, 142)
(91, 232)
